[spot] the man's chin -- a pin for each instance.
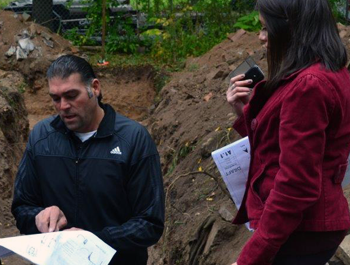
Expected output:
(73, 126)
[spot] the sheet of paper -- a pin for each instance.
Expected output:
(233, 163)
(68, 247)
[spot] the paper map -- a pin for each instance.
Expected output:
(58, 248)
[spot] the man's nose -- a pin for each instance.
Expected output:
(64, 104)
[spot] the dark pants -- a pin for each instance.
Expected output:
(136, 257)
(320, 258)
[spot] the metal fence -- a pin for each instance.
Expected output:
(61, 15)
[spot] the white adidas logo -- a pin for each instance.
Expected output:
(116, 151)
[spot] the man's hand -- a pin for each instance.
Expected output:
(74, 229)
(51, 219)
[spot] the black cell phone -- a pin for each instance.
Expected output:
(254, 74)
(251, 71)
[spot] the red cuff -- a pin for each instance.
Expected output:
(257, 251)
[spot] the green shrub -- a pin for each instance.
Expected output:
(249, 22)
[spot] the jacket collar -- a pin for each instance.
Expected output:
(288, 78)
(106, 127)
(261, 85)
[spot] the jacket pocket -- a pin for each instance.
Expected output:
(340, 173)
(263, 183)
(254, 185)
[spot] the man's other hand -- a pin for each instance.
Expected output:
(74, 229)
(51, 219)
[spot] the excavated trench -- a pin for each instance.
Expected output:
(190, 119)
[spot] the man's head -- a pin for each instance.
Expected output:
(75, 92)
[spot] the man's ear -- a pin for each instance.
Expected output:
(96, 87)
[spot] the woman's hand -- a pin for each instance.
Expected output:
(234, 263)
(238, 93)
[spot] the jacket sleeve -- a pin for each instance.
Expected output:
(146, 198)
(239, 126)
(304, 117)
(27, 195)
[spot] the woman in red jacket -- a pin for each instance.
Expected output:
(298, 124)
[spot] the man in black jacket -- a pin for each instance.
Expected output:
(90, 168)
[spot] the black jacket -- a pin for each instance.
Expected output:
(110, 185)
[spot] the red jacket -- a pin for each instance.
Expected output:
(300, 142)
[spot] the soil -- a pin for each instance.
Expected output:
(189, 120)
(14, 130)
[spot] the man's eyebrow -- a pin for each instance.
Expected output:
(66, 93)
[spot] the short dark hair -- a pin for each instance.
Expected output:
(300, 33)
(66, 65)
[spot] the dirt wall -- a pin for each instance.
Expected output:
(14, 131)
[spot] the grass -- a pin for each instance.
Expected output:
(138, 59)
(123, 60)
(4, 3)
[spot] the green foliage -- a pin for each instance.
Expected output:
(338, 9)
(249, 22)
(120, 34)
(191, 31)
(4, 3)
(179, 155)
(122, 37)
(193, 67)
(22, 87)
(78, 39)
(175, 30)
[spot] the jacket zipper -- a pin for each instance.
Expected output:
(77, 161)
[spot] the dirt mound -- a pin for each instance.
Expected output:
(28, 47)
(13, 129)
(192, 120)
(130, 91)
(13, 136)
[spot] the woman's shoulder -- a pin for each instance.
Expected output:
(317, 78)
(316, 83)
(319, 72)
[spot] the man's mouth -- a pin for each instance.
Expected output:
(69, 117)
